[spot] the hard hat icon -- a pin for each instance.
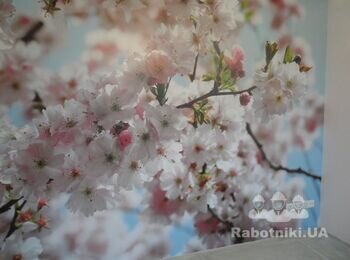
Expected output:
(298, 202)
(258, 198)
(258, 202)
(278, 196)
(278, 201)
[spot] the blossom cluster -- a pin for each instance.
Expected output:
(174, 126)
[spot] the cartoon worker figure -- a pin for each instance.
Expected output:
(278, 212)
(258, 212)
(298, 211)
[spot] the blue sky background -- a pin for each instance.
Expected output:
(312, 28)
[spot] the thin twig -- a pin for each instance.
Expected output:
(217, 81)
(238, 92)
(228, 224)
(30, 34)
(233, 197)
(215, 90)
(13, 226)
(217, 48)
(278, 167)
(214, 93)
(193, 75)
(204, 168)
(7, 206)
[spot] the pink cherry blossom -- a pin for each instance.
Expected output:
(206, 224)
(161, 205)
(159, 66)
(235, 62)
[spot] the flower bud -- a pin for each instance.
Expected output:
(42, 222)
(42, 203)
(244, 99)
(124, 139)
(25, 216)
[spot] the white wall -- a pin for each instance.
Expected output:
(335, 200)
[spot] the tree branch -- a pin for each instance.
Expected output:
(13, 226)
(215, 90)
(193, 75)
(278, 167)
(228, 224)
(233, 197)
(217, 81)
(30, 34)
(217, 48)
(214, 93)
(7, 206)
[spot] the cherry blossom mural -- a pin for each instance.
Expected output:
(163, 118)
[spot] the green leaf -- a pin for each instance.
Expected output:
(270, 52)
(228, 86)
(248, 16)
(208, 77)
(305, 69)
(217, 61)
(160, 92)
(200, 111)
(225, 75)
(288, 56)
(154, 91)
(244, 4)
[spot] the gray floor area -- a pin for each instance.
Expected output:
(278, 249)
